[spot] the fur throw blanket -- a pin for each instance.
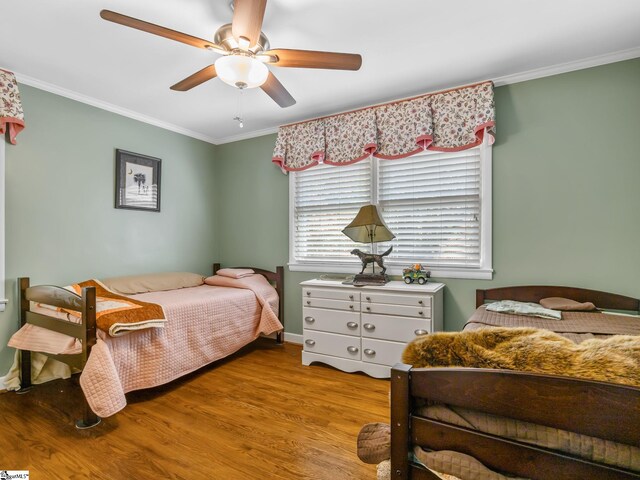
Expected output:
(615, 359)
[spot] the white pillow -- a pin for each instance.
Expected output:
(235, 272)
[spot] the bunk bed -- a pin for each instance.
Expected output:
(112, 366)
(602, 412)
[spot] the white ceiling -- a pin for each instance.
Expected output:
(408, 47)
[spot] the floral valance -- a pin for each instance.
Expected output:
(11, 114)
(445, 121)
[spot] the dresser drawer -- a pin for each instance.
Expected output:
(405, 310)
(333, 304)
(332, 344)
(382, 352)
(347, 323)
(397, 299)
(348, 295)
(397, 329)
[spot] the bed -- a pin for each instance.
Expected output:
(607, 413)
(204, 323)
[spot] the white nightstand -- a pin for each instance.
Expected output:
(366, 328)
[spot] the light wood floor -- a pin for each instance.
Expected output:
(257, 415)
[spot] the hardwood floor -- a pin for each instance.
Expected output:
(257, 415)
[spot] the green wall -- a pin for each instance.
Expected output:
(566, 195)
(61, 224)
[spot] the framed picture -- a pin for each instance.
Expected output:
(137, 181)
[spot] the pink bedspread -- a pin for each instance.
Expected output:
(204, 324)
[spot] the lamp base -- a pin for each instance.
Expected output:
(363, 279)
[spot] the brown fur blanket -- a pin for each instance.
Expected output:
(615, 359)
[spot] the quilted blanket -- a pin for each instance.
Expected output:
(206, 323)
(117, 314)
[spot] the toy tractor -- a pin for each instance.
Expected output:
(415, 273)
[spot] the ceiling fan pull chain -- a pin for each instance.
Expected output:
(238, 117)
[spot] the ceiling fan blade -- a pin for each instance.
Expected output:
(201, 76)
(277, 92)
(247, 20)
(311, 59)
(158, 30)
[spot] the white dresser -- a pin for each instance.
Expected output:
(366, 328)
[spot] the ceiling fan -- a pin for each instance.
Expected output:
(245, 51)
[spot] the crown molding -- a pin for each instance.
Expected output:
(247, 135)
(110, 107)
(567, 67)
(527, 75)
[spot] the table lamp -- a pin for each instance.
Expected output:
(368, 227)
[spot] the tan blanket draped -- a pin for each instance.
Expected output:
(117, 314)
(614, 359)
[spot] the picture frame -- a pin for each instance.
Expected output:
(137, 181)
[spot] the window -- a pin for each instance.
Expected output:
(3, 301)
(437, 204)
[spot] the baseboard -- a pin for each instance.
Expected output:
(293, 338)
(288, 337)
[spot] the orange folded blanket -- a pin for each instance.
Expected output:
(117, 314)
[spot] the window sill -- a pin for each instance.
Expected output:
(353, 268)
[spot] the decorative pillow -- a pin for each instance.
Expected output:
(153, 282)
(567, 305)
(523, 308)
(235, 272)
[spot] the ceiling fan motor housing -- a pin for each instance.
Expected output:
(225, 38)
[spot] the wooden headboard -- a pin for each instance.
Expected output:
(277, 279)
(534, 293)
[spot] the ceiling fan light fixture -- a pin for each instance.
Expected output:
(241, 71)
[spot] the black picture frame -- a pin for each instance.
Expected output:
(137, 181)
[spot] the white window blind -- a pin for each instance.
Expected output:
(437, 204)
(431, 203)
(325, 199)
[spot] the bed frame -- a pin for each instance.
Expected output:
(85, 331)
(598, 409)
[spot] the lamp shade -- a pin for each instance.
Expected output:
(368, 227)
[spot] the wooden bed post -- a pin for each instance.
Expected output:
(25, 355)
(89, 418)
(400, 410)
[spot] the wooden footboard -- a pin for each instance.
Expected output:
(85, 331)
(597, 409)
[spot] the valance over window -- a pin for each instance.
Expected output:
(11, 115)
(445, 121)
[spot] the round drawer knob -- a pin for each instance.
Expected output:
(370, 352)
(420, 312)
(350, 297)
(308, 294)
(310, 342)
(308, 302)
(369, 326)
(352, 349)
(420, 332)
(368, 299)
(351, 306)
(420, 302)
(352, 325)
(309, 319)
(368, 309)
